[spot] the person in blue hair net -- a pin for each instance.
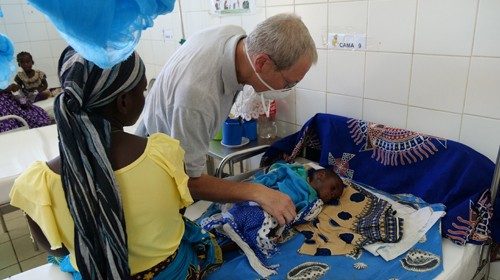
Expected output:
(7, 66)
(193, 94)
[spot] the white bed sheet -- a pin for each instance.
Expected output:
(47, 105)
(21, 148)
(459, 262)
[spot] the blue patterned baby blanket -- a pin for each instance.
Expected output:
(423, 261)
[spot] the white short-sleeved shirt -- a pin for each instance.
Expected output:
(194, 92)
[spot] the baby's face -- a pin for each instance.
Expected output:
(331, 188)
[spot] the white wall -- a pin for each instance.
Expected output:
(431, 65)
(30, 31)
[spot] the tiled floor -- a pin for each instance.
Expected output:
(17, 253)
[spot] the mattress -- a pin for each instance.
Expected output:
(459, 262)
(48, 106)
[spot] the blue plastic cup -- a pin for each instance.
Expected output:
(250, 129)
(232, 131)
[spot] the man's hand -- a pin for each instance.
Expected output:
(277, 204)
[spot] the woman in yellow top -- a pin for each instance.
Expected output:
(112, 199)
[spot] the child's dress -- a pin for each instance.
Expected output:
(31, 84)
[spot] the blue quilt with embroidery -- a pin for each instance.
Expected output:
(423, 261)
(402, 161)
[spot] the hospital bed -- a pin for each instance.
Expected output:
(48, 106)
(459, 262)
(24, 124)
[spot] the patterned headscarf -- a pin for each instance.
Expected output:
(87, 176)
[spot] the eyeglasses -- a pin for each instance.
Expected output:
(288, 84)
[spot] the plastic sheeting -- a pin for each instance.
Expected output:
(7, 66)
(103, 31)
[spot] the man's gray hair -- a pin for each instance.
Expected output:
(285, 38)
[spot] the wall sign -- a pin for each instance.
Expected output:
(229, 7)
(347, 41)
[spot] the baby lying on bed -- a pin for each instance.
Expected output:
(255, 231)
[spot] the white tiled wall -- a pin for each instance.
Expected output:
(430, 65)
(30, 31)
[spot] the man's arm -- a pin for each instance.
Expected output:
(278, 204)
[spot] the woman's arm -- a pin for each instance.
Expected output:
(40, 238)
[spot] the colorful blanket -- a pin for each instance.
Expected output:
(347, 224)
(397, 160)
(423, 261)
(255, 231)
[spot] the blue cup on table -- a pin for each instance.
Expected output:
(250, 129)
(232, 131)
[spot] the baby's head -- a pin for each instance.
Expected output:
(25, 61)
(327, 184)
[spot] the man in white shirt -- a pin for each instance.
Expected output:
(195, 90)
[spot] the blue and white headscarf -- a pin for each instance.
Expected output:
(88, 180)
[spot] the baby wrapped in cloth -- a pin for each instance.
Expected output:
(255, 231)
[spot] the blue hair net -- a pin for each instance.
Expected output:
(103, 31)
(7, 66)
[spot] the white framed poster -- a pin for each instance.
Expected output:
(231, 7)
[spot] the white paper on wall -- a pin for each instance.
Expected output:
(347, 41)
(231, 7)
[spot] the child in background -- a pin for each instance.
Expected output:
(33, 82)
(10, 105)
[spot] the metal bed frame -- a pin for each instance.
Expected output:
(483, 270)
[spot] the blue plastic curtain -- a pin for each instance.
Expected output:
(7, 66)
(103, 31)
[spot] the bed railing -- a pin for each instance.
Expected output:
(483, 270)
(17, 118)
